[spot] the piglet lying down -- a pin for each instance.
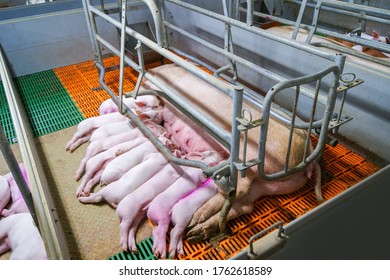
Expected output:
(19, 234)
(18, 204)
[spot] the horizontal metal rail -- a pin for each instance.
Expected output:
(48, 221)
(353, 39)
(354, 11)
(256, 31)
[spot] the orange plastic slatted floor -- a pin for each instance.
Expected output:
(344, 168)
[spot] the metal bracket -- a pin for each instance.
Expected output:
(347, 81)
(134, 93)
(268, 244)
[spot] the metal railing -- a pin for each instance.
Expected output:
(361, 12)
(225, 174)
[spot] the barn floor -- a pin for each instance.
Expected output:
(57, 100)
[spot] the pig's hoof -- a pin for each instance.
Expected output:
(83, 194)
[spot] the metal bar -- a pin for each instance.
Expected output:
(328, 112)
(246, 63)
(313, 111)
(219, 134)
(234, 157)
(122, 53)
(249, 15)
(357, 8)
(17, 174)
(352, 52)
(356, 40)
(342, 12)
(294, 112)
(93, 29)
(255, 30)
(313, 27)
(49, 225)
(299, 19)
(167, 54)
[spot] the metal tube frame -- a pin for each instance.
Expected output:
(359, 11)
(231, 141)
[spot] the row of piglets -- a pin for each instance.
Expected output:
(17, 230)
(138, 179)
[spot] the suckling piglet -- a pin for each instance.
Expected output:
(131, 210)
(130, 181)
(97, 164)
(160, 207)
(182, 212)
(126, 161)
(87, 126)
(110, 129)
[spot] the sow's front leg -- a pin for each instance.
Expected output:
(206, 222)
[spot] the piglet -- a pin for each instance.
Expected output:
(104, 144)
(141, 103)
(183, 210)
(126, 161)
(160, 207)
(96, 165)
(5, 193)
(19, 234)
(111, 129)
(130, 181)
(18, 204)
(131, 210)
(87, 126)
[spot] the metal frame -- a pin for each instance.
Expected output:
(225, 174)
(361, 12)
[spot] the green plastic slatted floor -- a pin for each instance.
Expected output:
(48, 105)
(145, 252)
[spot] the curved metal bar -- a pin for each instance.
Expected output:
(158, 22)
(325, 121)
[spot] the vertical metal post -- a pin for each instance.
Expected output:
(313, 28)
(249, 13)
(238, 94)
(299, 19)
(17, 174)
(122, 54)
(93, 31)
